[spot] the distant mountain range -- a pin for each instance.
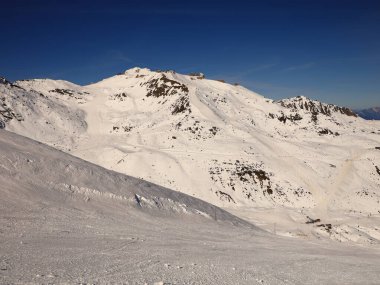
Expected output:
(369, 114)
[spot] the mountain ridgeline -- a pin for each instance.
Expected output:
(369, 114)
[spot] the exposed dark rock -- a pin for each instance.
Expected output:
(7, 114)
(68, 92)
(315, 107)
(214, 130)
(347, 111)
(163, 86)
(327, 132)
(200, 130)
(63, 91)
(181, 105)
(283, 118)
(119, 96)
(225, 197)
(327, 227)
(312, 221)
(300, 192)
(8, 83)
(248, 174)
(126, 129)
(314, 117)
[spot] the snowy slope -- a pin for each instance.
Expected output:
(34, 175)
(67, 221)
(270, 162)
(51, 117)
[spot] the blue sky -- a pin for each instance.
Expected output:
(324, 49)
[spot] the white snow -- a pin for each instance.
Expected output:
(265, 161)
(67, 221)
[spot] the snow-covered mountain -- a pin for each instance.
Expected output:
(290, 162)
(369, 114)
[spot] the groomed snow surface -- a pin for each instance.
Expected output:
(67, 221)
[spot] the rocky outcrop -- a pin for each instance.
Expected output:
(314, 107)
(164, 87)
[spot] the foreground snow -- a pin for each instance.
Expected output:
(66, 221)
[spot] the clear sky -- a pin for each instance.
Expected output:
(328, 50)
